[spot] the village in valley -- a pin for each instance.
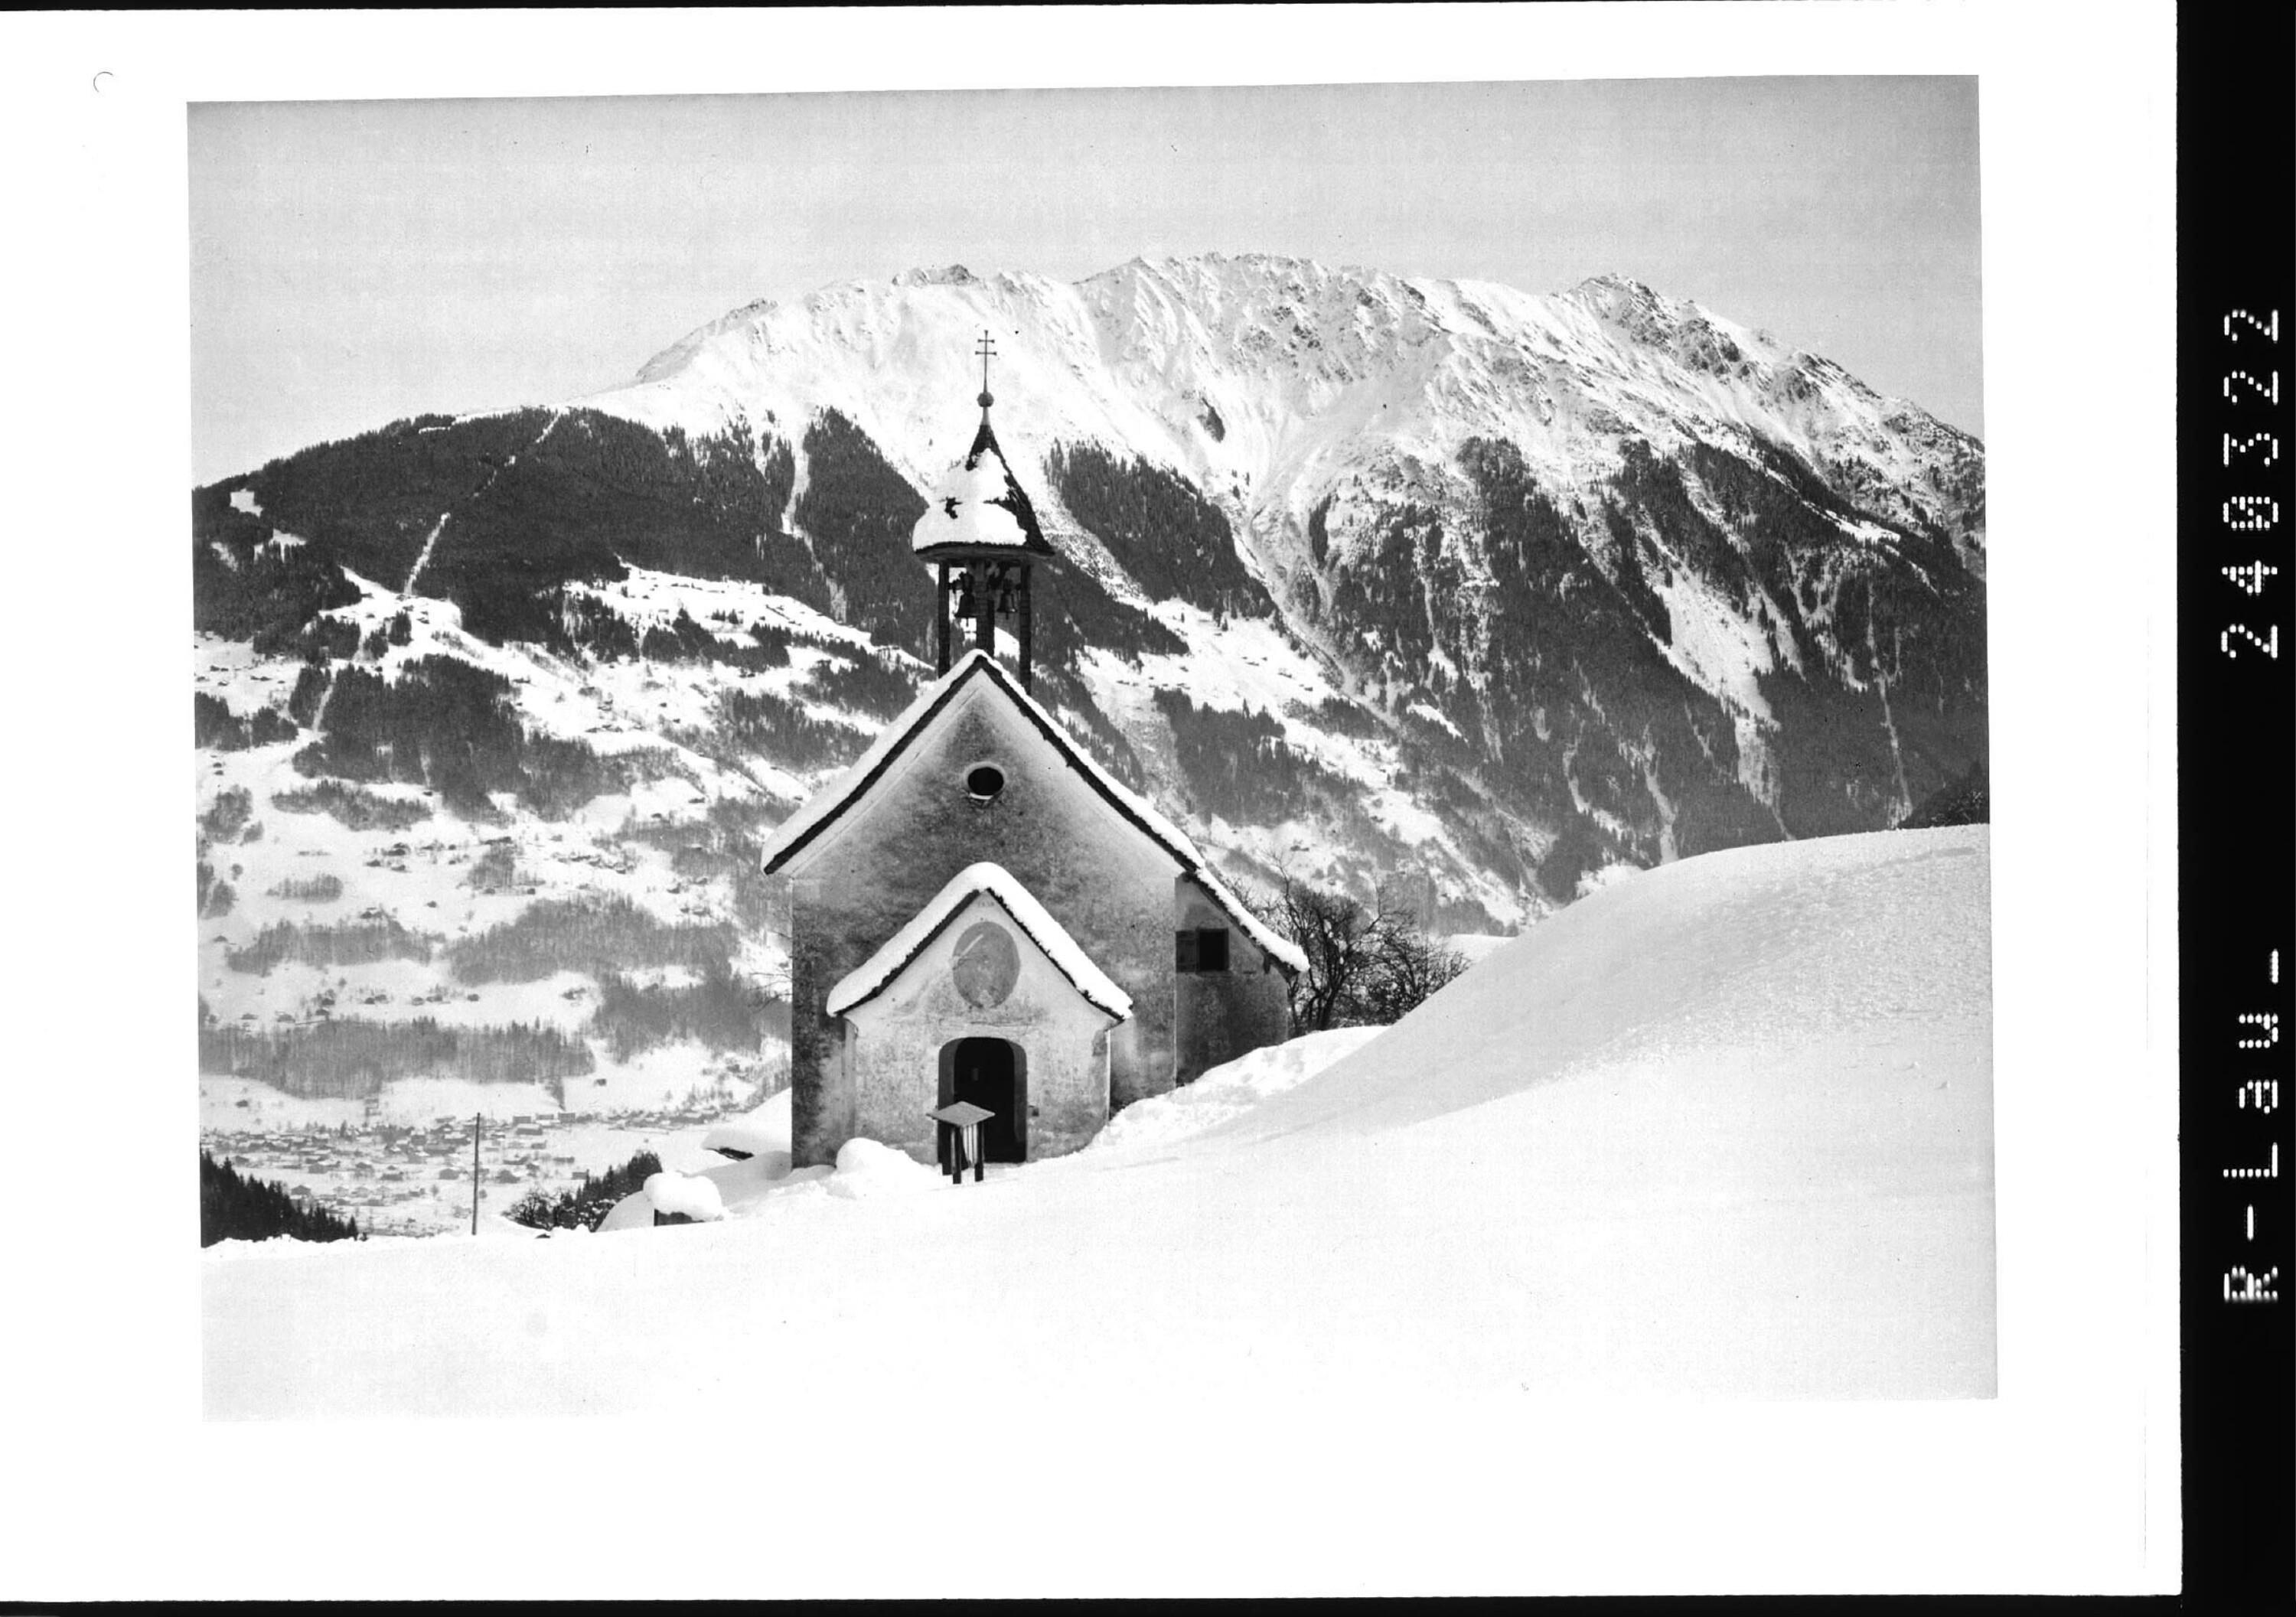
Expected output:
(417, 1179)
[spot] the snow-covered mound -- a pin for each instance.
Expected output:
(866, 1169)
(739, 1182)
(1724, 1129)
(685, 1196)
(759, 1133)
(1228, 1091)
(1790, 958)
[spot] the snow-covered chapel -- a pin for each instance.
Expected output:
(977, 911)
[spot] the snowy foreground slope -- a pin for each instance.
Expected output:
(1721, 1129)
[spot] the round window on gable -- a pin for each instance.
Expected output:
(983, 781)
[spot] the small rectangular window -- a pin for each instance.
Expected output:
(1203, 948)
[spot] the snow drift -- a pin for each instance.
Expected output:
(682, 1196)
(1721, 1130)
(1228, 1090)
(760, 1132)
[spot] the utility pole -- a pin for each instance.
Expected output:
(476, 1119)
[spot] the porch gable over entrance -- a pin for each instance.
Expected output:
(994, 884)
(982, 997)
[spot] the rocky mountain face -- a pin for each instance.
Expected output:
(1473, 592)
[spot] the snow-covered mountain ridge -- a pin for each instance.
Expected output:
(1369, 578)
(1265, 381)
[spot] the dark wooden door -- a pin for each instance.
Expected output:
(985, 1076)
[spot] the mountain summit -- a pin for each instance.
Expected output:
(1279, 374)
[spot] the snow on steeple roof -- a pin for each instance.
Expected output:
(870, 978)
(979, 505)
(816, 816)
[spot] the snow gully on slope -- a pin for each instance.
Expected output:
(1889, 721)
(439, 527)
(319, 712)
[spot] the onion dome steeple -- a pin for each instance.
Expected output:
(980, 533)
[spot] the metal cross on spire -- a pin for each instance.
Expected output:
(987, 351)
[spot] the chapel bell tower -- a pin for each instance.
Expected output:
(980, 534)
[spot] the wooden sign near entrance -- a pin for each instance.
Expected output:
(959, 1146)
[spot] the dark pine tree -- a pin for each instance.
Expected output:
(232, 1208)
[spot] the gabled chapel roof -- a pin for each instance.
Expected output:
(825, 809)
(865, 981)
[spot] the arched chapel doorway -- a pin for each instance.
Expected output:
(992, 1074)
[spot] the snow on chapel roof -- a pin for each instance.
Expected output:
(869, 978)
(823, 810)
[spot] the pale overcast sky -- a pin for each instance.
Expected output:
(355, 261)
